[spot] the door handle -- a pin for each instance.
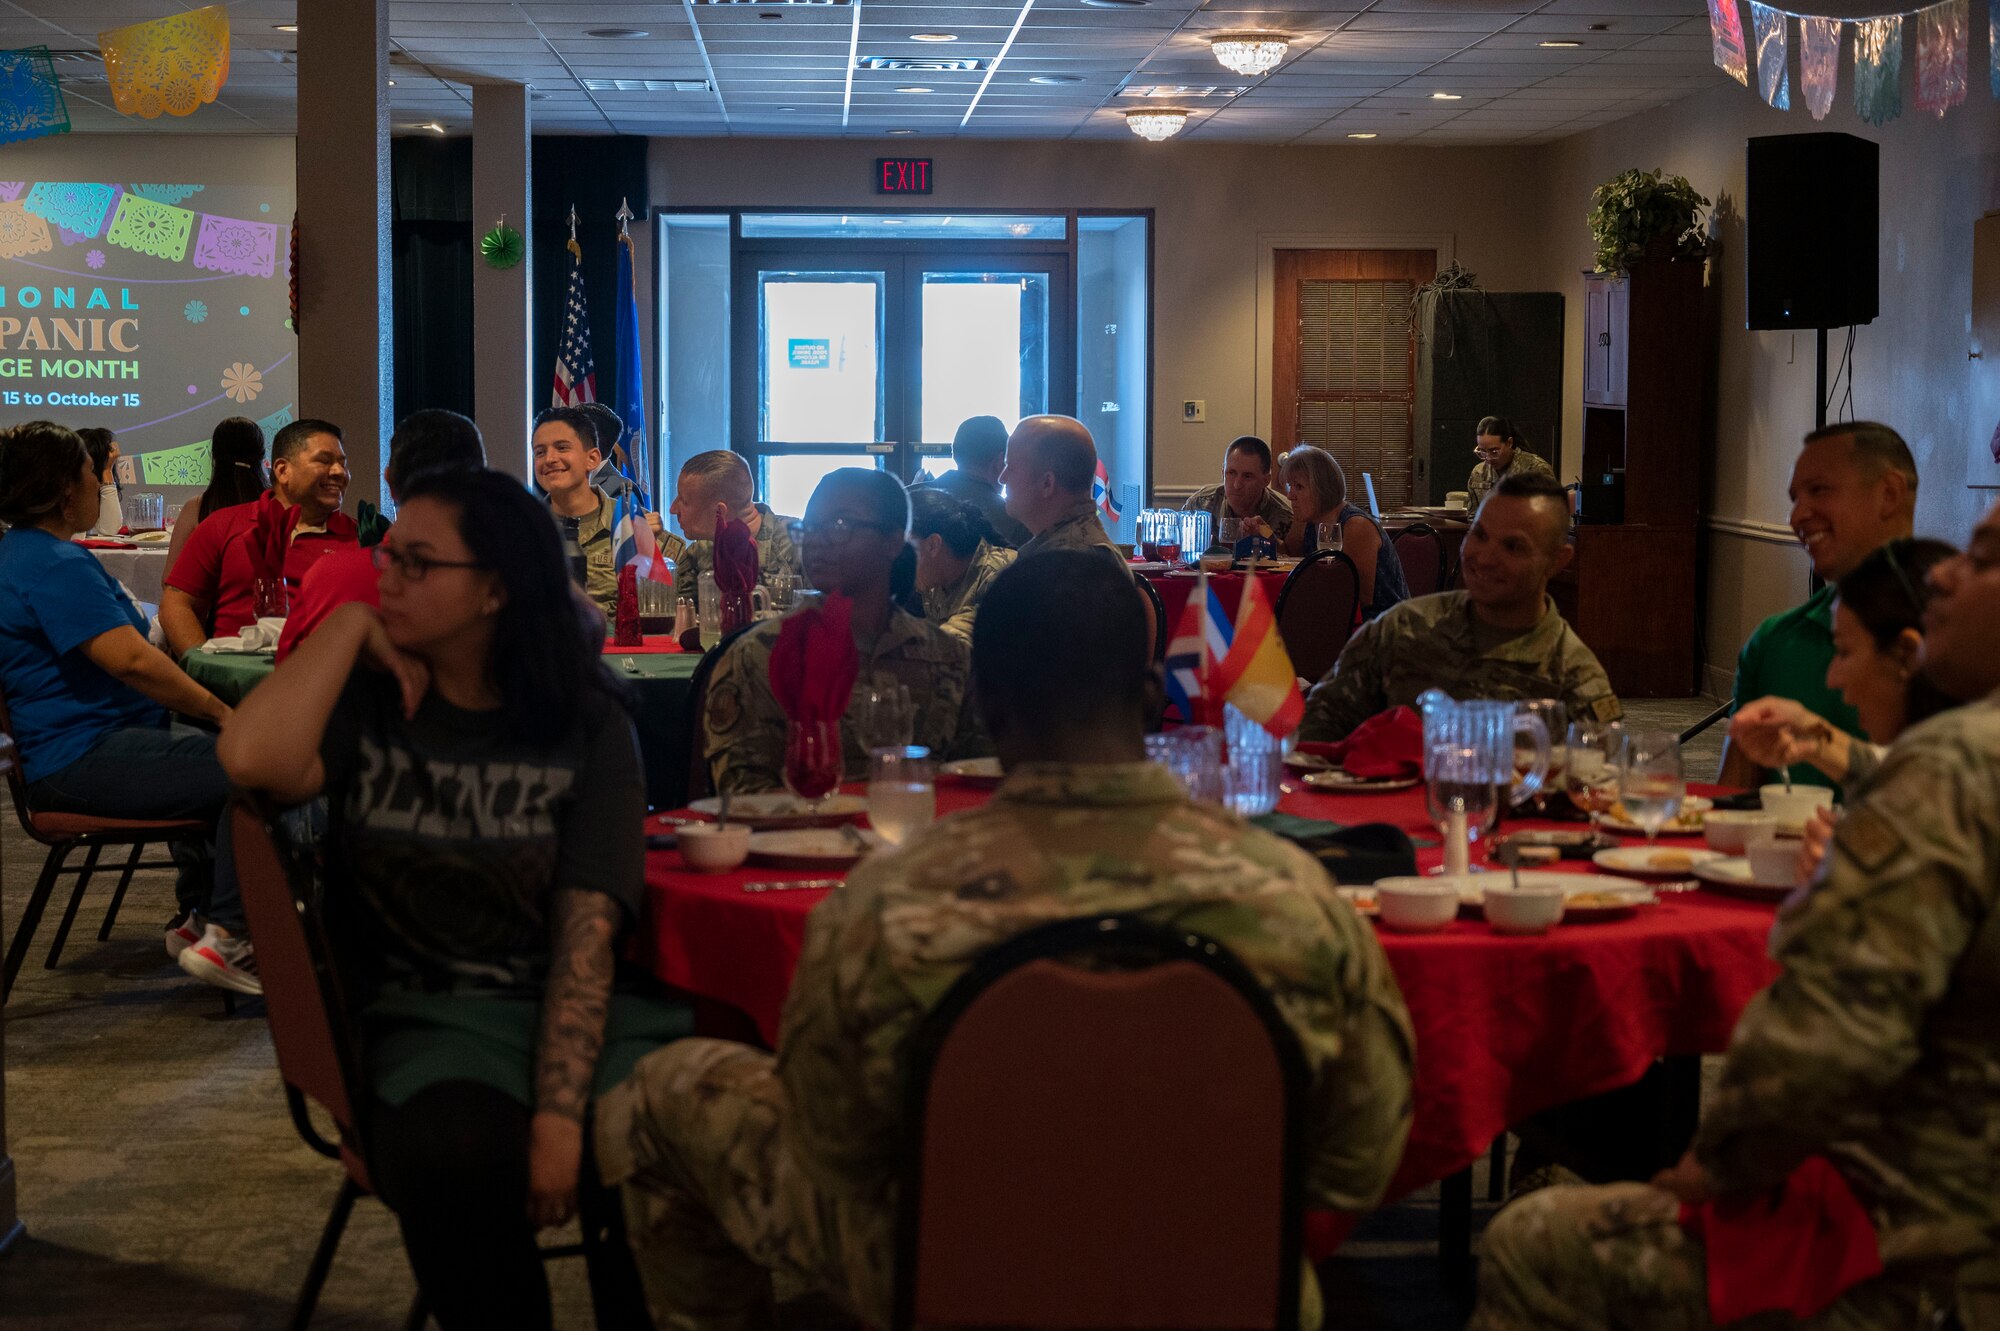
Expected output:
(881, 448)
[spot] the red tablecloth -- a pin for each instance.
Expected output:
(1175, 588)
(1505, 1027)
(654, 644)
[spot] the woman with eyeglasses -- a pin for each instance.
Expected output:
(854, 543)
(484, 791)
(1501, 452)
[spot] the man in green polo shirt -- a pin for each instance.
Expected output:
(1854, 488)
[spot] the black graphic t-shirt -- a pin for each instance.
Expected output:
(449, 835)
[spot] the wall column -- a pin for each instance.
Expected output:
(346, 331)
(502, 303)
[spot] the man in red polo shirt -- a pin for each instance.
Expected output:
(212, 589)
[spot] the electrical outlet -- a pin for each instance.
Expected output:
(1194, 412)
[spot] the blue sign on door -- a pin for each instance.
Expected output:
(808, 353)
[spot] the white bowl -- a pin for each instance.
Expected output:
(1530, 910)
(1795, 808)
(707, 848)
(1773, 862)
(1726, 829)
(1416, 905)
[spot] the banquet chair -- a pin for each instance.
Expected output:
(314, 1034)
(700, 780)
(1119, 1146)
(1316, 609)
(65, 834)
(1422, 554)
(1156, 618)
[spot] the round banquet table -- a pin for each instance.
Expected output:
(1505, 1027)
(1175, 588)
(141, 570)
(660, 681)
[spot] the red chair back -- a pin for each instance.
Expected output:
(1102, 1148)
(309, 1020)
(1157, 628)
(1316, 610)
(1421, 552)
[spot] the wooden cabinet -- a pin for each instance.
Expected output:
(1630, 594)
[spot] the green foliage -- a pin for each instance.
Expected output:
(1633, 210)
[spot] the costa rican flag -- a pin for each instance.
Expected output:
(576, 369)
(1100, 490)
(632, 540)
(1200, 642)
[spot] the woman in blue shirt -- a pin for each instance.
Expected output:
(89, 698)
(1317, 489)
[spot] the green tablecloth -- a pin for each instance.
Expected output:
(659, 682)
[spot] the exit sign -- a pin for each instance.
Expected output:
(902, 175)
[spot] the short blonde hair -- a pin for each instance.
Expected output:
(723, 475)
(1320, 469)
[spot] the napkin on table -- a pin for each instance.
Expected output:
(813, 663)
(1794, 1249)
(1390, 744)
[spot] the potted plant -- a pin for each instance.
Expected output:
(1642, 215)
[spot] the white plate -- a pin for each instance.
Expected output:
(983, 772)
(812, 848)
(1605, 897)
(1678, 827)
(1337, 782)
(1732, 875)
(779, 809)
(1658, 861)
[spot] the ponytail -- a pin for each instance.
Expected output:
(962, 526)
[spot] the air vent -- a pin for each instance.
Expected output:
(1174, 92)
(646, 85)
(919, 64)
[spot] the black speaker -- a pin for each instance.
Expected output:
(1811, 250)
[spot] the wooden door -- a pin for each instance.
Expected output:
(1344, 361)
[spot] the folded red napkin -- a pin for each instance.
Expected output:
(1794, 1249)
(625, 630)
(1384, 746)
(813, 663)
(735, 555)
(104, 543)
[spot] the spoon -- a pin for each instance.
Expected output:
(722, 809)
(1510, 855)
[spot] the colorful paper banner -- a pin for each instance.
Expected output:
(166, 193)
(230, 245)
(1725, 24)
(1942, 32)
(78, 207)
(31, 100)
(1819, 62)
(21, 232)
(1878, 67)
(158, 229)
(172, 65)
(187, 464)
(1774, 79)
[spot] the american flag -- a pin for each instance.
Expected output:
(576, 371)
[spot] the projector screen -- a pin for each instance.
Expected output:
(154, 310)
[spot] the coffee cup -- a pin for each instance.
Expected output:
(1526, 910)
(1794, 807)
(1415, 905)
(1774, 860)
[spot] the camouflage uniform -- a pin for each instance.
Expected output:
(1435, 642)
(745, 728)
(1485, 475)
(1274, 508)
(774, 549)
(1077, 529)
(954, 608)
(724, 1182)
(1876, 1047)
(594, 536)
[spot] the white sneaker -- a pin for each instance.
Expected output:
(227, 963)
(184, 932)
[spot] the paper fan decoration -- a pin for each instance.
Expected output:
(172, 65)
(502, 247)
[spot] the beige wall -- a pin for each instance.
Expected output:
(1216, 209)
(1910, 368)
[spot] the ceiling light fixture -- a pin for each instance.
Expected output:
(1559, 46)
(1361, 136)
(933, 36)
(916, 90)
(902, 131)
(1445, 97)
(286, 27)
(616, 32)
(1054, 80)
(1250, 53)
(392, 83)
(1117, 4)
(1154, 126)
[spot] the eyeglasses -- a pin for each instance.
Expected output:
(834, 531)
(414, 567)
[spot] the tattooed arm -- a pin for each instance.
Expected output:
(573, 1013)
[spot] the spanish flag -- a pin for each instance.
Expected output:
(1257, 675)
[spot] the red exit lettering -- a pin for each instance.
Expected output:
(902, 175)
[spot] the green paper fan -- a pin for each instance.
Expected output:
(502, 247)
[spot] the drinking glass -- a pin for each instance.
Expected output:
(1555, 719)
(1197, 527)
(1256, 764)
(1326, 536)
(1649, 779)
(779, 585)
(883, 715)
(1232, 531)
(902, 791)
(1590, 773)
(1194, 755)
(1460, 793)
(812, 760)
(270, 598)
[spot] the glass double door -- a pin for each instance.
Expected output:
(846, 359)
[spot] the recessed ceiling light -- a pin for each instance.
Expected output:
(913, 89)
(435, 128)
(1600, 27)
(1444, 97)
(1117, 4)
(616, 32)
(1361, 136)
(286, 27)
(1054, 80)
(902, 131)
(392, 83)
(892, 221)
(933, 36)
(1559, 45)
(787, 108)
